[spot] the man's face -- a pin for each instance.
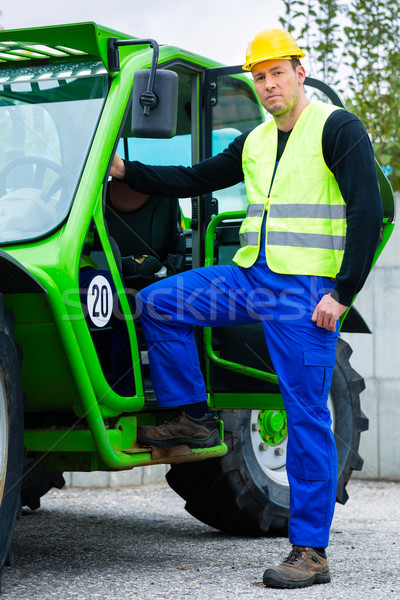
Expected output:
(278, 85)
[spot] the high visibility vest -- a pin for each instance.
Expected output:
(306, 219)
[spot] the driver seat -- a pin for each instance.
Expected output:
(151, 229)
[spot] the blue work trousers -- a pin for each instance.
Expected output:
(303, 356)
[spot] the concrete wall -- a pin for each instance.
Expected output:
(135, 477)
(376, 357)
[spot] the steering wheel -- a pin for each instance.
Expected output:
(42, 165)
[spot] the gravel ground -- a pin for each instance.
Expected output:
(140, 543)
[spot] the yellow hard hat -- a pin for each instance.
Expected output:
(270, 44)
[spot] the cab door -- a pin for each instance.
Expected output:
(230, 107)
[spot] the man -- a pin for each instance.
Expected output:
(313, 222)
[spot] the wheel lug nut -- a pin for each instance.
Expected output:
(263, 446)
(278, 451)
(256, 427)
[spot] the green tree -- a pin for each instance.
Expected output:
(356, 48)
(317, 27)
(373, 55)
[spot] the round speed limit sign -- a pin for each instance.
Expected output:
(100, 301)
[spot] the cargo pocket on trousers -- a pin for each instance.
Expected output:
(317, 376)
(310, 436)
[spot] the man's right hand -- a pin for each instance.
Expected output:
(117, 168)
(327, 312)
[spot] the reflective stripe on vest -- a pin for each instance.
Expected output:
(306, 220)
(255, 210)
(306, 240)
(308, 211)
(250, 238)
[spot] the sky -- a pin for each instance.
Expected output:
(218, 29)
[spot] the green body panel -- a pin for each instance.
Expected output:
(43, 348)
(246, 401)
(38, 440)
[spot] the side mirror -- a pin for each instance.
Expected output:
(161, 119)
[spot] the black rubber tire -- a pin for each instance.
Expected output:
(36, 483)
(235, 495)
(13, 405)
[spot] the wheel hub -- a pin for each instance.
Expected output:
(269, 440)
(273, 426)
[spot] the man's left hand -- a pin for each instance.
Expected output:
(327, 312)
(118, 167)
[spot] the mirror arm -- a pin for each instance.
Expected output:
(148, 99)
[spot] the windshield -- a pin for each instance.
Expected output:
(48, 116)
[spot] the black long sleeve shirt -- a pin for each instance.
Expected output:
(348, 154)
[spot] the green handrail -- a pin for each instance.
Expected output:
(207, 331)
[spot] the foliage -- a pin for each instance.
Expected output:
(356, 48)
(316, 25)
(374, 86)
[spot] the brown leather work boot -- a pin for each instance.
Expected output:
(181, 430)
(301, 568)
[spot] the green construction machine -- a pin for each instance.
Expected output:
(70, 97)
